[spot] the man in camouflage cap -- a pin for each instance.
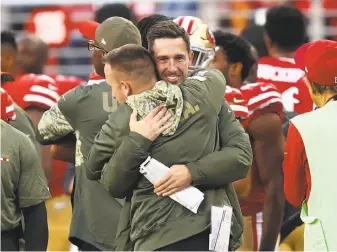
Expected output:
(83, 111)
(112, 33)
(102, 38)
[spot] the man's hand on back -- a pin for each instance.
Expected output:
(151, 126)
(177, 179)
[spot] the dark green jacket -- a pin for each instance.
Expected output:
(209, 140)
(24, 124)
(83, 110)
(23, 183)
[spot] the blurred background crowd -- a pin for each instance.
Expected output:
(57, 23)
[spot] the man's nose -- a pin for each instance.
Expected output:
(172, 66)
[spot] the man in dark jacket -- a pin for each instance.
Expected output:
(24, 189)
(192, 139)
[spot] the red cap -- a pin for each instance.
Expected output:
(319, 61)
(88, 29)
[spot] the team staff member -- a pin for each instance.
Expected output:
(34, 93)
(83, 111)
(23, 187)
(310, 153)
(203, 96)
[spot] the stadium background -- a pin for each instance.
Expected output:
(56, 22)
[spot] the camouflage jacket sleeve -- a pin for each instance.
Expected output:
(53, 126)
(232, 161)
(116, 154)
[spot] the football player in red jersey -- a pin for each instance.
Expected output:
(29, 46)
(263, 208)
(285, 31)
(239, 105)
(32, 54)
(32, 58)
(33, 93)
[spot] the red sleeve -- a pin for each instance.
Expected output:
(33, 90)
(297, 182)
(237, 103)
(7, 107)
(66, 83)
(262, 98)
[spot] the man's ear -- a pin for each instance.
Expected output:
(126, 88)
(235, 70)
(7, 62)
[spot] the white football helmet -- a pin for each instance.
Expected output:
(201, 39)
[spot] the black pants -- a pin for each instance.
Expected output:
(9, 241)
(198, 242)
(291, 220)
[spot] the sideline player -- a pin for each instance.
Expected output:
(263, 208)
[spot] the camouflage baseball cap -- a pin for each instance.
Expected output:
(112, 33)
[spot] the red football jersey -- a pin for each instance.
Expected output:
(33, 90)
(39, 91)
(238, 104)
(94, 78)
(65, 83)
(288, 79)
(7, 106)
(261, 98)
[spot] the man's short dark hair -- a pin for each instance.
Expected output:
(7, 37)
(145, 24)
(133, 60)
(286, 28)
(6, 78)
(237, 50)
(114, 10)
(254, 35)
(167, 29)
